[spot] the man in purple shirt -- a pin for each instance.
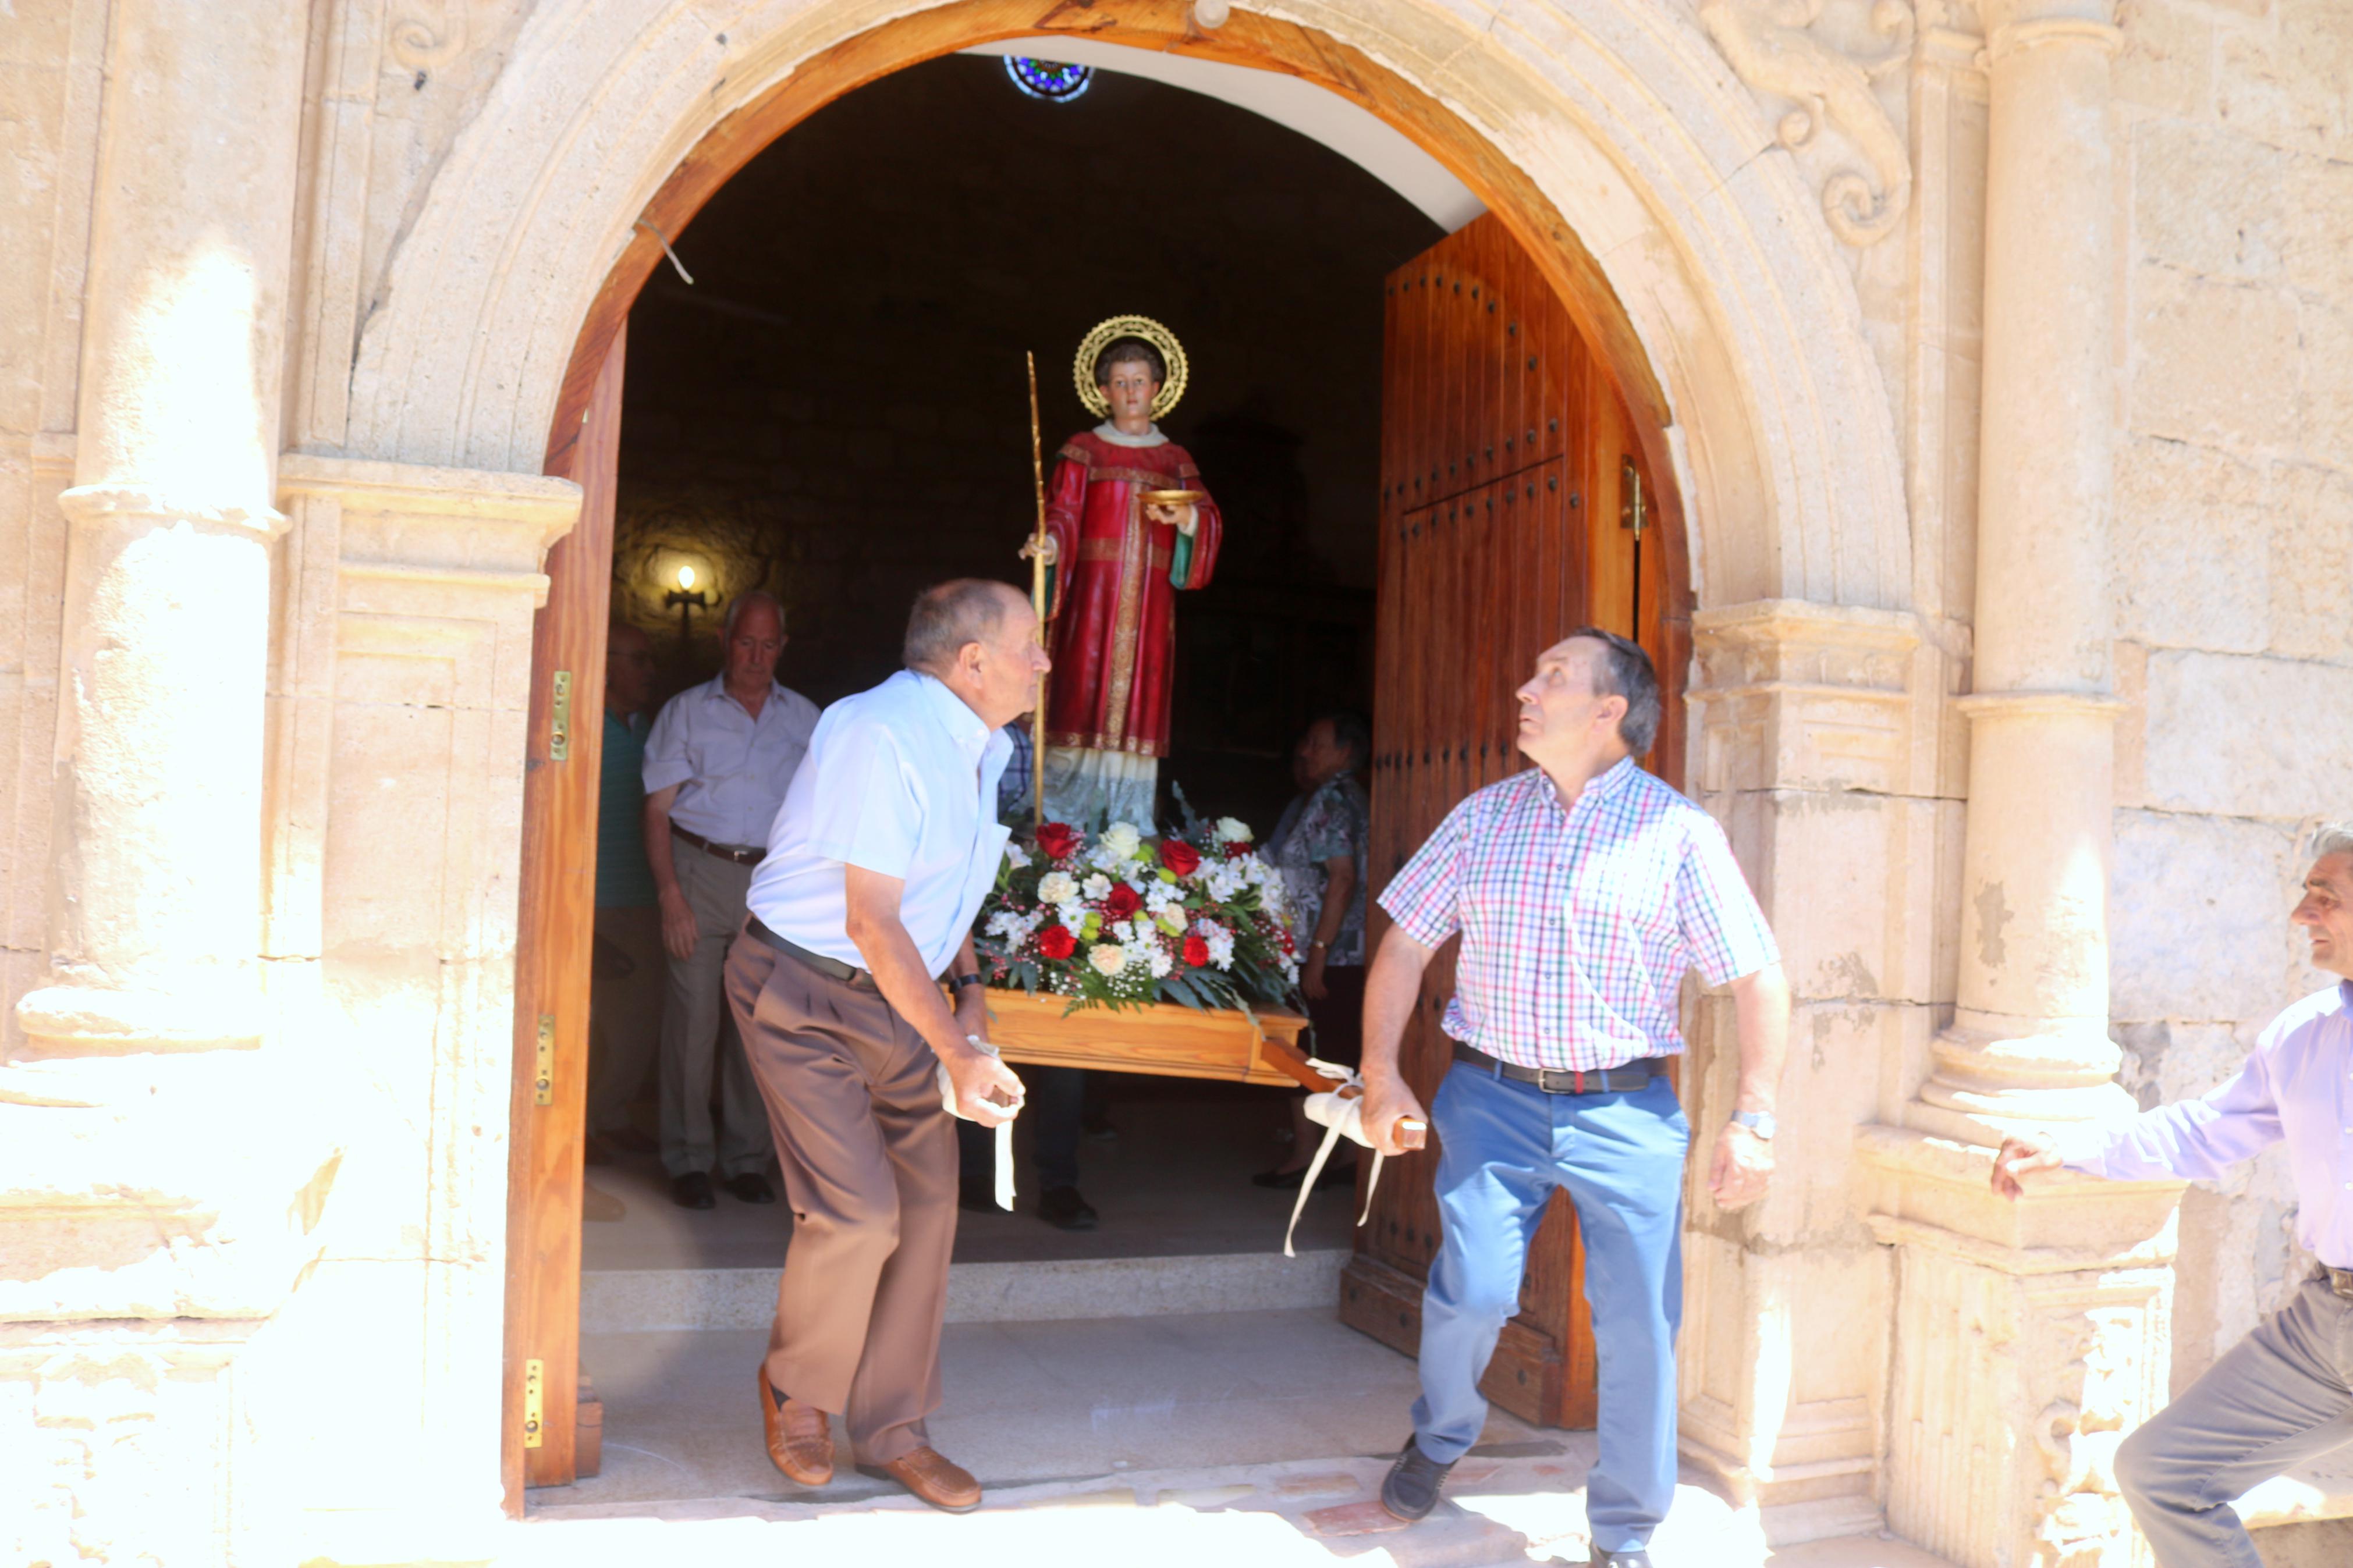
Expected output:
(1583, 890)
(2284, 1392)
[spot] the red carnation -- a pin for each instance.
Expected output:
(1197, 952)
(1060, 840)
(1056, 942)
(1180, 856)
(1122, 903)
(1237, 848)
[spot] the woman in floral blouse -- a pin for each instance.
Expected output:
(1318, 849)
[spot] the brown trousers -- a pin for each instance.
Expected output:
(870, 1166)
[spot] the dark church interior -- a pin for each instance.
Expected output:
(835, 409)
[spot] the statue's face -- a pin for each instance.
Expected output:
(1131, 389)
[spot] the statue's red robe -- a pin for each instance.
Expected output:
(1115, 601)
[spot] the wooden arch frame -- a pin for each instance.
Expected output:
(570, 633)
(1248, 40)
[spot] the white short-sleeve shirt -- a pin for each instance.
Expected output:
(901, 780)
(731, 769)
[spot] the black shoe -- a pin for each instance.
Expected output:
(693, 1191)
(976, 1197)
(752, 1187)
(1062, 1208)
(1410, 1488)
(1624, 1557)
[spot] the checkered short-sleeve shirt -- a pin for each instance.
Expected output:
(1578, 921)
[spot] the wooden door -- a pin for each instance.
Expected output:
(555, 926)
(1508, 467)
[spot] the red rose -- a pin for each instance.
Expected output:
(1180, 856)
(1122, 903)
(1236, 849)
(1058, 839)
(1197, 952)
(1056, 942)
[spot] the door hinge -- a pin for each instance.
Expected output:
(559, 731)
(535, 1402)
(543, 1071)
(1631, 512)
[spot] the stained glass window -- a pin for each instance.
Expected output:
(1049, 79)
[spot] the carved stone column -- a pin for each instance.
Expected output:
(2029, 1040)
(2030, 1336)
(161, 1180)
(156, 909)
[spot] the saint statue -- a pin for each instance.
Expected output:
(1127, 524)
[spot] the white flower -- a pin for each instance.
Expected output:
(1159, 962)
(1124, 929)
(1107, 957)
(1015, 855)
(1097, 887)
(1057, 887)
(1122, 839)
(1005, 923)
(1233, 830)
(1071, 913)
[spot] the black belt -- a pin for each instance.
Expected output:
(2340, 1281)
(1629, 1078)
(831, 968)
(729, 852)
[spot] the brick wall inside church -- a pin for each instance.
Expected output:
(835, 410)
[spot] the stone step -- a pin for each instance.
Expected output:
(631, 1300)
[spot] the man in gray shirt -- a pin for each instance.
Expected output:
(717, 765)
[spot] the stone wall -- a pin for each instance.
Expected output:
(2234, 550)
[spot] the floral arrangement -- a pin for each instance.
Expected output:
(1122, 920)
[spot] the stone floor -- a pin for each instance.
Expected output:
(1259, 1437)
(1175, 1182)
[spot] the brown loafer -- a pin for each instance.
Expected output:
(800, 1438)
(946, 1486)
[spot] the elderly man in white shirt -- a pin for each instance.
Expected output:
(887, 843)
(718, 763)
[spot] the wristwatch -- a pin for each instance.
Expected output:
(958, 981)
(1760, 1122)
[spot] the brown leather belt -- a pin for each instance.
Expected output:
(831, 968)
(2340, 1281)
(728, 852)
(1628, 1078)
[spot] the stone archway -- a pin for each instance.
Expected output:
(1615, 142)
(1616, 145)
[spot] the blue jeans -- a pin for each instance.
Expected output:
(1503, 1147)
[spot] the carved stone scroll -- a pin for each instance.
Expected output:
(1770, 47)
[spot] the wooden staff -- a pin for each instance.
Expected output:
(1037, 602)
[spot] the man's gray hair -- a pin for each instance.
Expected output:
(950, 613)
(2332, 838)
(1625, 670)
(743, 601)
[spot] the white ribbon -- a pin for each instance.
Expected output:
(1004, 1129)
(1341, 1109)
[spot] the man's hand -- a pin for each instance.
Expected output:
(1311, 979)
(1742, 1168)
(2023, 1154)
(972, 1010)
(679, 932)
(987, 1091)
(1387, 1099)
(1044, 549)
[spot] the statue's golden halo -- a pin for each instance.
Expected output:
(1107, 333)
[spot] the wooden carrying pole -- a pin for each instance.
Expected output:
(1037, 602)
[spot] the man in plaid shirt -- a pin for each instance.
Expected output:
(1583, 889)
